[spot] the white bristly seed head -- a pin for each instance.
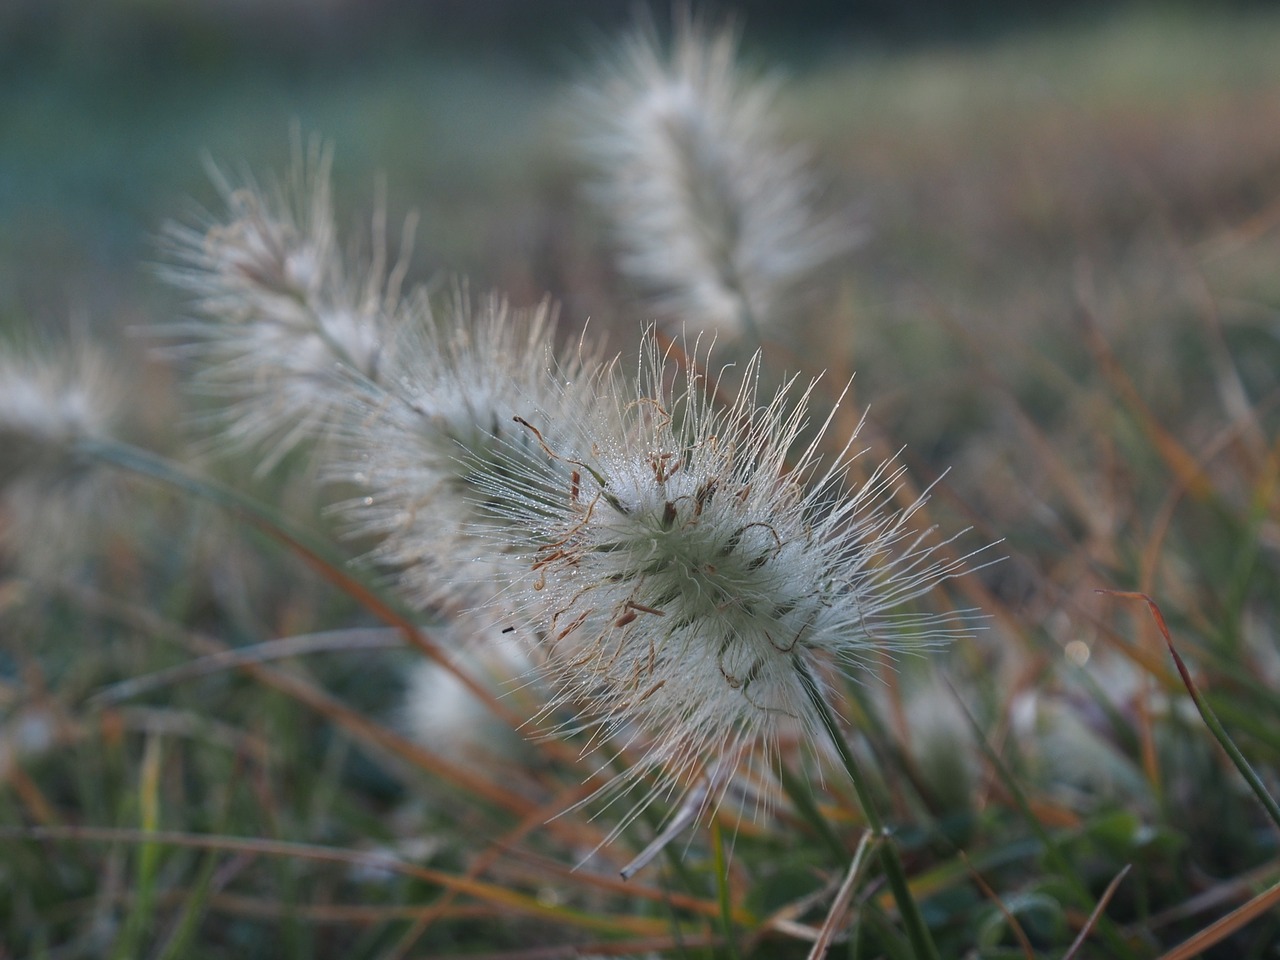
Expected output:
(689, 573)
(441, 713)
(442, 415)
(48, 405)
(712, 214)
(53, 408)
(282, 315)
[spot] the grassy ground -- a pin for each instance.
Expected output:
(1067, 294)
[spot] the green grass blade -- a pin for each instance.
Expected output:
(1053, 852)
(182, 938)
(721, 867)
(912, 919)
(802, 797)
(1206, 712)
(137, 926)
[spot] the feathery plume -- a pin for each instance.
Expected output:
(713, 215)
(452, 381)
(52, 407)
(282, 314)
(48, 405)
(689, 577)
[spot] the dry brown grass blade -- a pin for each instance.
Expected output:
(260, 908)
(389, 614)
(1063, 477)
(350, 720)
(1149, 562)
(1238, 236)
(1019, 934)
(1231, 389)
(710, 908)
(1221, 929)
(1267, 475)
(840, 905)
(783, 920)
(1219, 895)
(500, 847)
(32, 797)
(648, 946)
(195, 726)
(316, 553)
(284, 648)
(355, 723)
(1178, 459)
(1092, 922)
(500, 897)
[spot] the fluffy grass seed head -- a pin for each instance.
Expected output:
(453, 380)
(697, 564)
(49, 403)
(713, 215)
(442, 714)
(52, 405)
(282, 315)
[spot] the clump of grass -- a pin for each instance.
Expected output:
(220, 763)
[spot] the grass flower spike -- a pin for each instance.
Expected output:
(713, 215)
(282, 314)
(48, 405)
(453, 378)
(53, 408)
(690, 577)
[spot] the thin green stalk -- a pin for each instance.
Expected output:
(180, 940)
(802, 796)
(1206, 712)
(319, 554)
(209, 880)
(155, 467)
(889, 939)
(137, 928)
(721, 867)
(1052, 850)
(1224, 739)
(855, 937)
(921, 941)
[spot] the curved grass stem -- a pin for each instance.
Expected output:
(921, 941)
(1210, 718)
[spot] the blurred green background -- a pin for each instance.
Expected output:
(106, 109)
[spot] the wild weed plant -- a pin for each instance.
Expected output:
(661, 654)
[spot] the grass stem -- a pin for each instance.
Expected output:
(921, 941)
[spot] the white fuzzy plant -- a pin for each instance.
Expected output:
(714, 215)
(281, 318)
(55, 406)
(701, 570)
(683, 559)
(414, 444)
